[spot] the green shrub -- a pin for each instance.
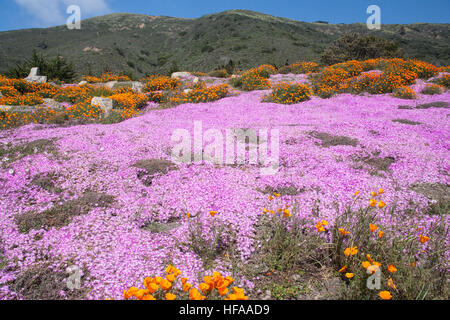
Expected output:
(406, 270)
(358, 47)
(214, 244)
(57, 68)
(287, 245)
(431, 89)
(219, 73)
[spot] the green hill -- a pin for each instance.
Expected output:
(152, 44)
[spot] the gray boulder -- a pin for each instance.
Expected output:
(179, 75)
(52, 103)
(110, 84)
(105, 104)
(136, 85)
(5, 108)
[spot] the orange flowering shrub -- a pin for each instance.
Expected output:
(252, 80)
(155, 96)
(300, 67)
(373, 64)
(10, 119)
(18, 92)
(288, 93)
(8, 91)
(156, 83)
(200, 93)
(129, 100)
(106, 77)
(384, 83)
(84, 110)
(404, 93)
(27, 99)
(346, 76)
(352, 67)
(168, 288)
(20, 85)
(266, 70)
(329, 80)
(423, 69)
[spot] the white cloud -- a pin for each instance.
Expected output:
(53, 12)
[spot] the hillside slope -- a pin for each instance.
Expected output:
(150, 44)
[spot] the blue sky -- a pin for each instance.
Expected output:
(20, 14)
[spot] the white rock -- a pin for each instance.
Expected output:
(105, 104)
(110, 84)
(187, 90)
(136, 85)
(34, 72)
(179, 75)
(82, 82)
(52, 103)
(5, 108)
(35, 77)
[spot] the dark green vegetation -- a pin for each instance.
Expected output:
(41, 282)
(353, 46)
(62, 214)
(55, 69)
(142, 44)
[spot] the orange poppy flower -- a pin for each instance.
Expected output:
(343, 269)
(391, 284)
(351, 251)
(392, 268)
(423, 239)
(385, 295)
(170, 296)
(343, 231)
(165, 284)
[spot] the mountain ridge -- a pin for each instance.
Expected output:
(144, 44)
